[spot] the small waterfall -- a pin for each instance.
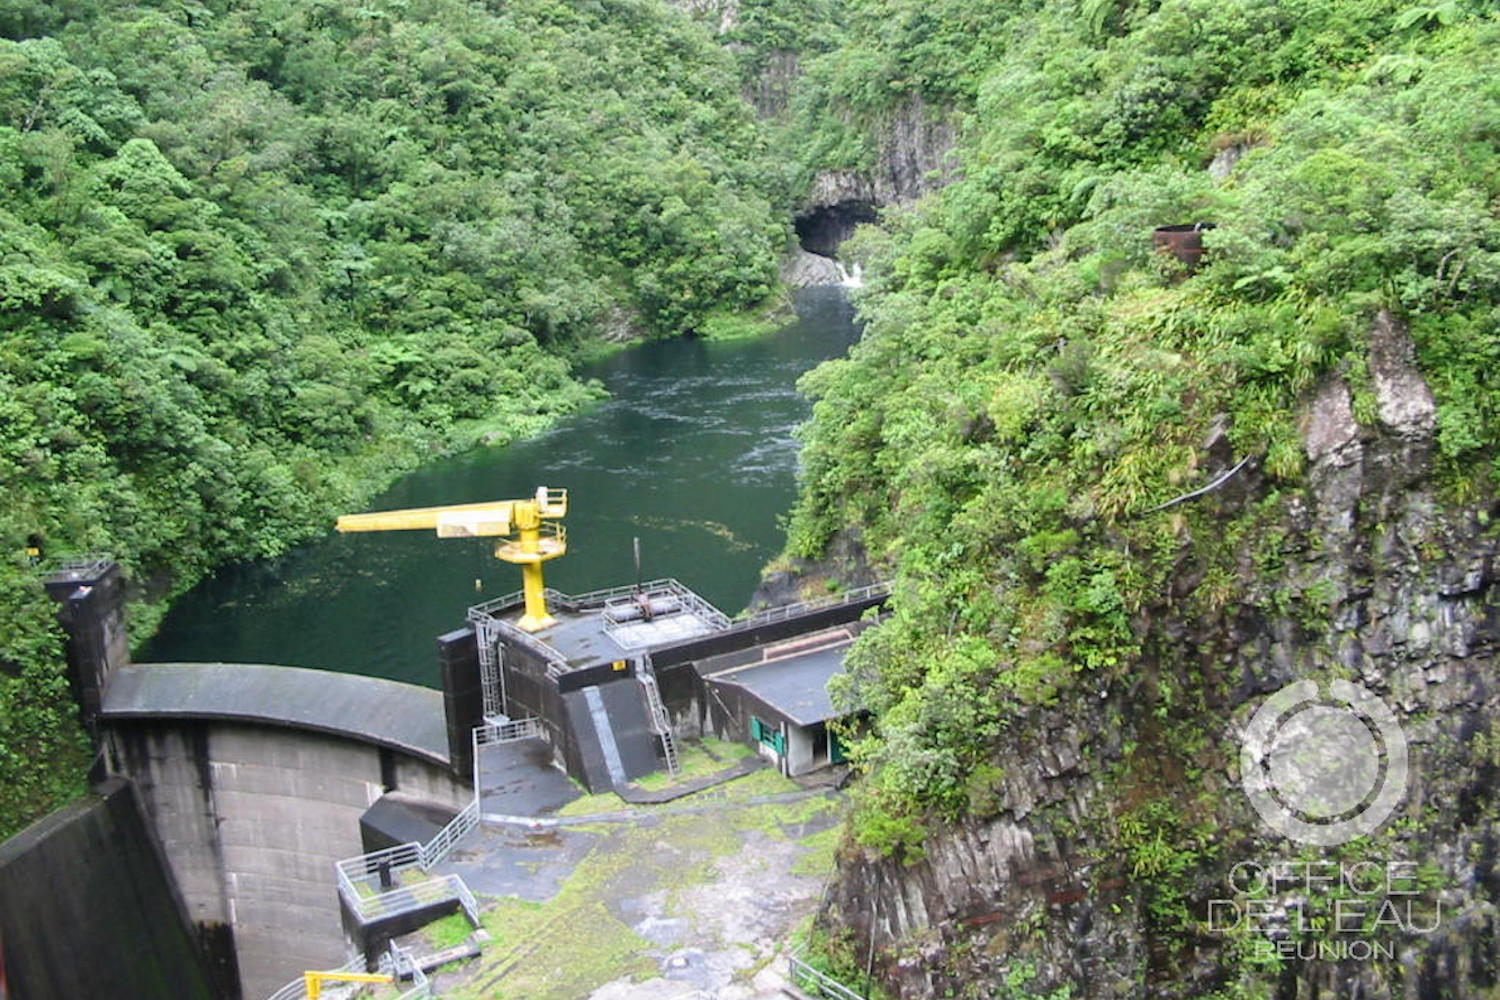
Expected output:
(851, 276)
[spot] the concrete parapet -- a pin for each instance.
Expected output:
(403, 717)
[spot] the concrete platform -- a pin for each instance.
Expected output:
(519, 780)
(517, 852)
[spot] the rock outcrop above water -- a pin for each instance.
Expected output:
(802, 269)
(1106, 862)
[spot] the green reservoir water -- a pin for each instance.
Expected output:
(693, 452)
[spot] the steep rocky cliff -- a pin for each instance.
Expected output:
(1121, 855)
(912, 143)
(854, 156)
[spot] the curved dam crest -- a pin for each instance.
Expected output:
(372, 710)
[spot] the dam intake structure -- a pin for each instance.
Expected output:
(302, 817)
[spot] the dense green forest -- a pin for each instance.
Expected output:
(257, 258)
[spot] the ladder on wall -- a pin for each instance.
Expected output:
(491, 674)
(661, 723)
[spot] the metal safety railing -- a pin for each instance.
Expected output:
(784, 611)
(458, 827)
(506, 732)
(598, 598)
(489, 627)
(551, 538)
(76, 566)
(397, 962)
(488, 624)
(661, 722)
(380, 884)
(658, 600)
(491, 665)
(805, 977)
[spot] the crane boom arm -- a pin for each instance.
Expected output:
(534, 541)
(456, 521)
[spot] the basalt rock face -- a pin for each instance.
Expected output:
(845, 566)
(914, 146)
(770, 92)
(1117, 864)
(914, 143)
(801, 269)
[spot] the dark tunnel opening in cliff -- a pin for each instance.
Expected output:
(822, 229)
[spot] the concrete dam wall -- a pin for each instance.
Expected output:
(88, 909)
(255, 779)
(242, 784)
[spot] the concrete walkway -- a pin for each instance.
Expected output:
(691, 899)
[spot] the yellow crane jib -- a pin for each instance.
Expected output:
(527, 536)
(314, 981)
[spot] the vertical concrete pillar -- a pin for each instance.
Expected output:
(463, 696)
(91, 593)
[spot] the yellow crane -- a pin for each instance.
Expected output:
(527, 538)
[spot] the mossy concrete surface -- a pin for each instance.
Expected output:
(692, 899)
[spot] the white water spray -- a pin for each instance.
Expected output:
(851, 276)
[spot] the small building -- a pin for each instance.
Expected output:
(776, 696)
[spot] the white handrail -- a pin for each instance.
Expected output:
(392, 861)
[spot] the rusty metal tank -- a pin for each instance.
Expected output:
(1183, 242)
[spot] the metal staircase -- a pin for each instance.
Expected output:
(661, 723)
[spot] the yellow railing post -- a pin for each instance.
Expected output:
(314, 980)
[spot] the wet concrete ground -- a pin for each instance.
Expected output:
(693, 899)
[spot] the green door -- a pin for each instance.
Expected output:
(836, 753)
(764, 732)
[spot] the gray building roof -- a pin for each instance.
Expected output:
(794, 684)
(387, 713)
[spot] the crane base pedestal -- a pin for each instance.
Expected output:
(535, 623)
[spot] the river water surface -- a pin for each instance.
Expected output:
(693, 453)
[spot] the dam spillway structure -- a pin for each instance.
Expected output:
(284, 802)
